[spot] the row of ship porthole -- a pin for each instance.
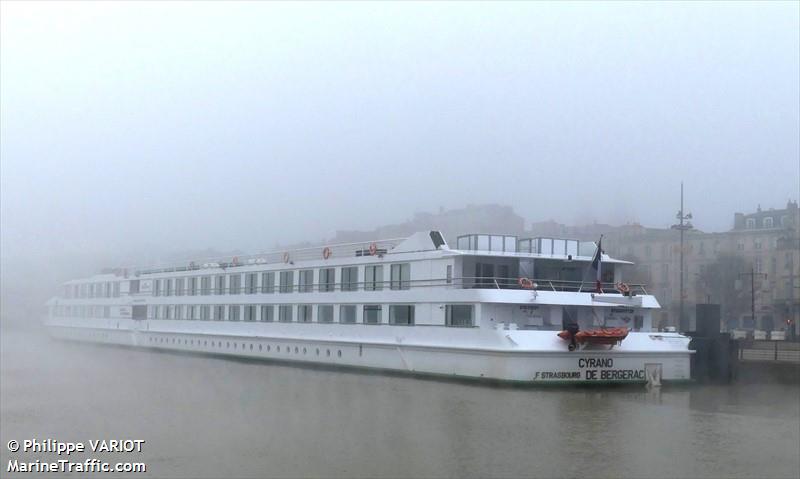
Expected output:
(218, 344)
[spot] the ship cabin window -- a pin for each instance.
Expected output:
(400, 276)
(156, 287)
(449, 274)
(192, 285)
(372, 313)
(219, 313)
(325, 313)
(373, 278)
(106, 311)
(108, 290)
(401, 314)
(327, 279)
(133, 286)
(139, 311)
(170, 311)
(287, 281)
(285, 313)
(219, 286)
(233, 312)
(179, 310)
(205, 312)
(267, 313)
(205, 285)
(306, 281)
(116, 289)
(235, 284)
(268, 282)
(350, 278)
(251, 283)
(304, 312)
(459, 315)
(250, 312)
(493, 275)
(179, 287)
(191, 312)
(347, 313)
(168, 287)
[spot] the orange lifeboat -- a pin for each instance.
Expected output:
(597, 336)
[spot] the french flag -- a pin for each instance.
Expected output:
(597, 265)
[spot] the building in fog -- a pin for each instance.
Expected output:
(717, 266)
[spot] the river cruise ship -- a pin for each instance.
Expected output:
(495, 307)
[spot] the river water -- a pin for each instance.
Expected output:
(214, 417)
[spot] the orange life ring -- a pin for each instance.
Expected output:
(373, 248)
(623, 288)
(525, 283)
(286, 257)
(326, 253)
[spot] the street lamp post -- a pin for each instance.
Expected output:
(682, 226)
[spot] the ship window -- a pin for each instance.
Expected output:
(304, 313)
(285, 313)
(235, 284)
(449, 273)
(219, 313)
(179, 287)
(192, 285)
(347, 313)
(325, 313)
(250, 283)
(139, 311)
(191, 311)
(168, 287)
(157, 287)
(179, 312)
(373, 278)
(219, 285)
(205, 312)
(339, 353)
(233, 312)
(287, 281)
(268, 282)
(350, 278)
(459, 315)
(401, 314)
(106, 311)
(267, 313)
(116, 289)
(401, 276)
(205, 285)
(306, 281)
(250, 312)
(372, 313)
(327, 278)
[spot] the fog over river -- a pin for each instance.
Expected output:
(212, 417)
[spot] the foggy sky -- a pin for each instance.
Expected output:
(129, 126)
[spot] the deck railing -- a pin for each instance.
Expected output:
(499, 283)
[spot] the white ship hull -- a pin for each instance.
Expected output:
(505, 355)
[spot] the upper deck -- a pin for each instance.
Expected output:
(423, 260)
